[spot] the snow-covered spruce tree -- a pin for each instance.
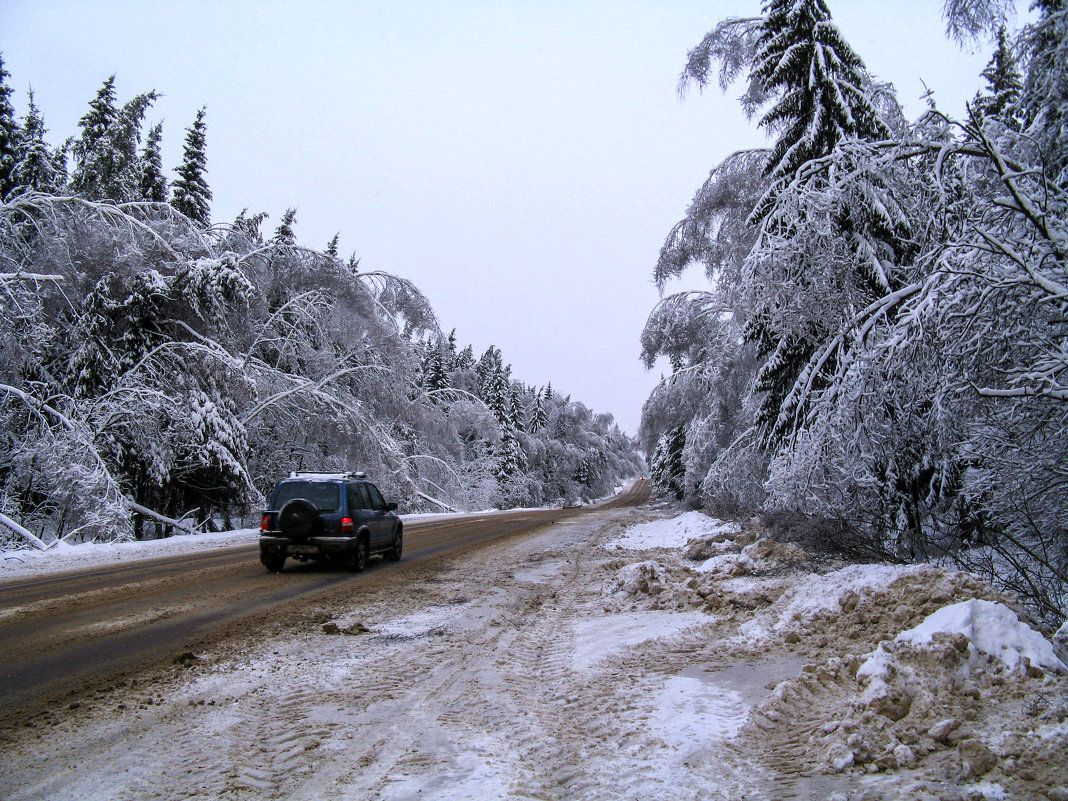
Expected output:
(153, 183)
(94, 125)
(192, 197)
(495, 389)
(9, 135)
(465, 359)
(125, 139)
(511, 469)
(332, 245)
(818, 89)
(35, 167)
(106, 161)
(515, 407)
(538, 417)
(434, 375)
(666, 468)
(487, 366)
(817, 84)
(284, 233)
(1003, 85)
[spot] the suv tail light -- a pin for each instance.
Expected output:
(346, 525)
(265, 523)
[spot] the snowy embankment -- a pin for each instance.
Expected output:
(613, 655)
(62, 557)
(968, 694)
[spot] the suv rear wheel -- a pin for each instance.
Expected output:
(394, 554)
(358, 560)
(273, 562)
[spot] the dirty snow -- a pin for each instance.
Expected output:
(816, 593)
(600, 637)
(671, 533)
(991, 628)
(61, 556)
(760, 556)
(690, 713)
(563, 665)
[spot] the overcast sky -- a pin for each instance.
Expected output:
(521, 162)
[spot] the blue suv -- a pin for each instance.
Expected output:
(336, 517)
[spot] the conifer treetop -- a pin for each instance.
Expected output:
(35, 167)
(9, 134)
(153, 182)
(191, 193)
(819, 83)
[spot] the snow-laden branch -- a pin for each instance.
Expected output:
(32, 277)
(303, 305)
(205, 346)
(856, 329)
(435, 501)
(178, 524)
(305, 386)
(1023, 392)
(23, 532)
(39, 406)
(114, 214)
(453, 393)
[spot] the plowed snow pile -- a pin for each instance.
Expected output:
(617, 656)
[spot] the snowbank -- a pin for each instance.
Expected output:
(760, 556)
(815, 595)
(991, 628)
(826, 593)
(61, 557)
(672, 533)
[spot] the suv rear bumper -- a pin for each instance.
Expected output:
(312, 547)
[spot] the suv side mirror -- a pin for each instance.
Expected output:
(391, 507)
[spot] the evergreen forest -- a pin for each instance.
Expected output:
(159, 371)
(879, 365)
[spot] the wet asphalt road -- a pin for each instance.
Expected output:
(63, 634)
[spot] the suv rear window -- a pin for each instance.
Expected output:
(323, 495)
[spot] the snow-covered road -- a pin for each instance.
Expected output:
(597, 658)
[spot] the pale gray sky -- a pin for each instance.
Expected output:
(521, 162)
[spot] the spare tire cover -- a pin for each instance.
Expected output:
(298, 518)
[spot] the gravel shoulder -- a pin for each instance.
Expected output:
(559, 665)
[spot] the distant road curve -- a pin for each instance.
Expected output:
(62, 634)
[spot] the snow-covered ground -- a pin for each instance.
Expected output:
(61, 556)
(618, 655)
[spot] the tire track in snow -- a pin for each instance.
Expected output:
(782, 730)
(487, 703)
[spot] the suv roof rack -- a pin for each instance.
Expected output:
(325, 474)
